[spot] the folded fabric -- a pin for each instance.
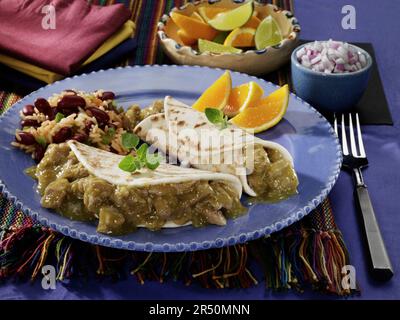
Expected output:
(24, 84)
(48, 76)
(80, 30)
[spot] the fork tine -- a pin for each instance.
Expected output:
(344, 139)
(335, 124)
(352, 137)
(360, 140)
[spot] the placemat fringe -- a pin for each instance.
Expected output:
(295, 258)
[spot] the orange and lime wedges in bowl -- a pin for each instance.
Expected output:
(250, 36)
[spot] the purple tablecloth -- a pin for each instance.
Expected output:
(378, 23)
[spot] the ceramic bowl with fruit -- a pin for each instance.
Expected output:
(245, 36)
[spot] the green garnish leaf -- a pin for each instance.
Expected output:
(130, 140)
(217, 117)
(153, 161)
(142, 151)
(41, 141)
(143, 157)
(108, 136)
(224, 123)
(59, 117)
(128, 164)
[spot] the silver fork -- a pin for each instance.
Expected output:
(354, 161)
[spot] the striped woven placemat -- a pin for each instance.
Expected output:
(308, 254)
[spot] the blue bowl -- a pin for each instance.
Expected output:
(337, 92)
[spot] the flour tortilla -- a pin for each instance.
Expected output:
(178, 117)
(104, 165)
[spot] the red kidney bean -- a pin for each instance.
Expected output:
(26, 138)
(62, 135)
(100, 115)
(42, 105)
(29, 123)
(80, 137)
(52, 113)
(38, 154)
(88, 126)
(71, 102)
(111, 125)
(69, 111)
(28, 110)
(107, 95)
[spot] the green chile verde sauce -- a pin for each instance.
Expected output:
(67, 187)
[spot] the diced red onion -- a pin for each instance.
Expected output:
(331, 57)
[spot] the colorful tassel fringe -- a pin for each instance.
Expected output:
(295, 258)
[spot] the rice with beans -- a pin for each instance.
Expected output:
(91, 118)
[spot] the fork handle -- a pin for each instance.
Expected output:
(381, 266)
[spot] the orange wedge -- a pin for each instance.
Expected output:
(193, 27)
(253, 22)
(266, 114)
(185, 38)
(242, 97)
(208, 13)
(196, 16)
(241, 37)
(217, 95)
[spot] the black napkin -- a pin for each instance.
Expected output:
(373, 108)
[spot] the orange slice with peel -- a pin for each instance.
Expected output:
(186, 39)
(196, 16)
(193, 27)
(184, 36)
(241, 38)
(266, 114)
(253, 22)
(216, 96)
(242, 97)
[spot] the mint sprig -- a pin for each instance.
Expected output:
(143, 156)
(130, 141)
(217, 118)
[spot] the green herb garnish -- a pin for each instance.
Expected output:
(217, 117)
(143, 156)
(130, 141)
(128, 163)
(108, 136)
(42, 141)
(59, 117)
(153, 161)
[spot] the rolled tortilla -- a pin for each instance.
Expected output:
(180, 132)
(104, 165)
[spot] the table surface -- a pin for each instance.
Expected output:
(378, 23)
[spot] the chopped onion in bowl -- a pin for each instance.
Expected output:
(331, 57)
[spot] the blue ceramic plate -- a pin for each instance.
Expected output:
(304, 132)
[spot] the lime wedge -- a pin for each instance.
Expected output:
(268, 33)
(209, 46)
(227, 21)
(220, 38)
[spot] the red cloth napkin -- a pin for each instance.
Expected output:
(80, 29)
